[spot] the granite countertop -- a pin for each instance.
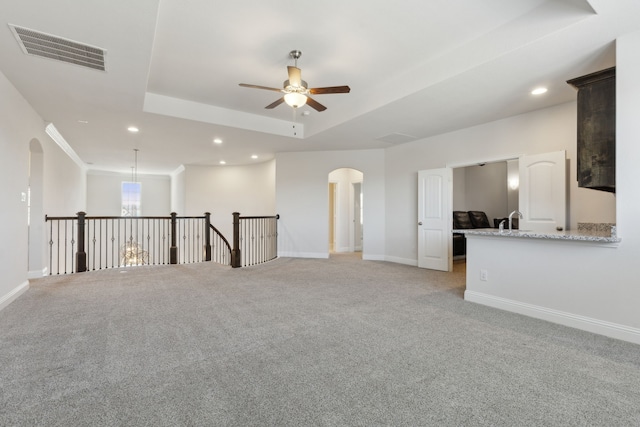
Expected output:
(572, 235)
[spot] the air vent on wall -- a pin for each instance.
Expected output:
(53, 47)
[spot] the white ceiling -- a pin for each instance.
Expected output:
(416, 68)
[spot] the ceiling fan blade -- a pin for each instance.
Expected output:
(295, 78)
(260, 87)
(315, 104)
(275, 104)
(332, 89)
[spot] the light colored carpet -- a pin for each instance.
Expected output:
(298, 342)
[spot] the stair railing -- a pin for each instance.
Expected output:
(82, 243)
(255, 239)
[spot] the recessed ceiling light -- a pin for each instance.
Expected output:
(133, 129)
(222, 162)
(217, 141)
(539, 91)
(254, 156)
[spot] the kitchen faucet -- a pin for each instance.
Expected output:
(511, 217)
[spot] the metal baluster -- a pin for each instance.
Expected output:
(73, 244)
(93, 241)
(261, 256)
(189, 235)
(65, 247)
(50, 248)
(254, 240)
(164, 250)
(113, 239)
(99, 244)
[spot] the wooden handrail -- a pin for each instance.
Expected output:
(96, 242)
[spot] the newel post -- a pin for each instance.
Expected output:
(207, 236)
(173, 249)
(81, 255)
(235, 252)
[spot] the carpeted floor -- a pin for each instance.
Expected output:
(298, 342)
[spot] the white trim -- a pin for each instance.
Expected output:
(303, 255)
(35, 274)
(178, 170)
(398, 260)
(51, 130)
(481, 161)
(190, 110)
(613, 330)
(13, 295)
(373, 257)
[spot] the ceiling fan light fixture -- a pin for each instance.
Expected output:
(295, 99)
(296, 90)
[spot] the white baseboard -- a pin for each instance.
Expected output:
(613, 330)
(15, 293)
(35, 274)
(373, 257)
(303, 255)
(398, 260)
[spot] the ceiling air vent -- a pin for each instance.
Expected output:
(53, 47)
(397, 138)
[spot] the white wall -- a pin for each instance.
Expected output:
(37, 241)
(16, 130)
(541, 131)
(459, 202)
(513, 186)
(302, 201)
(487, 189)
(104, 194)
(178, 191)
(222, 190)
(586, 285)
(63, 191)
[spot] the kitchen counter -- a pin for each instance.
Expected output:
(572, 235)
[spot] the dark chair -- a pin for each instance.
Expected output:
(461, 221)
(479, 219)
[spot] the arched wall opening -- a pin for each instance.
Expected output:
(35, 210)
(345, 201)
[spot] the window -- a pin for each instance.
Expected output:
(131, 196)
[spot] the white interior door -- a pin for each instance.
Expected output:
(543, 193)
(434, 219)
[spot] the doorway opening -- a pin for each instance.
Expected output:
(346, 221)
(488, 187)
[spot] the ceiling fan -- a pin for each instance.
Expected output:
(296, 91)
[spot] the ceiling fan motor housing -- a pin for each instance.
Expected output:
(289, 88)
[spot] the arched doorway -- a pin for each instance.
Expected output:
(35, 210)
(345, 210)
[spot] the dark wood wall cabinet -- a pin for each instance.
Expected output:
(597, 129)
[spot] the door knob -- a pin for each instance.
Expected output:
(420, 223)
